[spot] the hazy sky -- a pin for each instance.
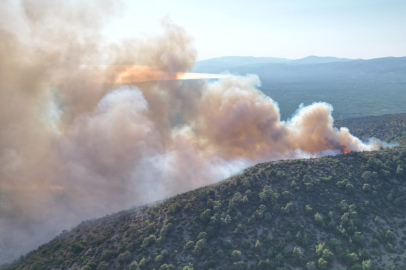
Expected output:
(283, 28)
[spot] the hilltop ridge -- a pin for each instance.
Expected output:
(342, 212)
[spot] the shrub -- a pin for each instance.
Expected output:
(323, 264)
(38, 265)
(288, 208)
(389, 236)
(399, 171)
(159, 258)
(189, 245)
(107, 255)
(237, 198)
(327, 255)
(199, 246)
(77, 247)
(166, 229)
(202, 235)
(258, 245)
(104, 266)
(311, 266)
(236, 255)
(367, 176)
(319, 249)
(267, 216)
(266, 193)
(220, 253)
(174, 208)
(166, 267)
(205, 216)
(367, 265)
(238, 265)
(318, 218)
(124, 257)
(188, 267)
(239, 229)
(366, 187)
(359, 238)
(149, 240)
(349, 188)
(134, 266)
(352, 257)
(143, 262)
(297, 255)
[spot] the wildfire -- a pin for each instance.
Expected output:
(124, 74)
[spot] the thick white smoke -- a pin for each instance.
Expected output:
(77, 143)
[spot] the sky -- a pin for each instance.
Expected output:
(284, 28)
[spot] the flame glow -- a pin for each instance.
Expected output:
(127, 74)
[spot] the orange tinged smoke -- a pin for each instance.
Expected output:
(129, 74)
(124, 142)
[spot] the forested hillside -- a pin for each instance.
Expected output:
(342, 212)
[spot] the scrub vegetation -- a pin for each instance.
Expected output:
(336, 212)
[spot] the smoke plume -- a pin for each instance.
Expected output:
(85, 133)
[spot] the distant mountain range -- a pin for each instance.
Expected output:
(308, 68)
(225, 63)
(355, 87)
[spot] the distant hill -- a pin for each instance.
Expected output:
(354, 87)
(390, 127)
(389, 69)
(221, 64)
(318, 60)
(343, 212)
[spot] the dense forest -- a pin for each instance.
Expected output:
(336, 212)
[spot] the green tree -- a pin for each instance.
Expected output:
(149, 240)
(308, 209)
(188, 267)
(159, 258)
(323, 264)
(389, 236)
(327, 255)
(311, 266)
(367, 265)
(399, 171)
(318, 218)
(202, 235)
(124, 257)
(258, 245)
(239, 229)
(77, 247)
(166, 267)
(366, 187)
(205, 216)
(199, 246)
(104, 266)
(297, 256)
(236, 255)
(134, 266)
(189, 245)
(352, 257)
(359, 238)
(319, 249)
(266, 193)
(238, 265)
